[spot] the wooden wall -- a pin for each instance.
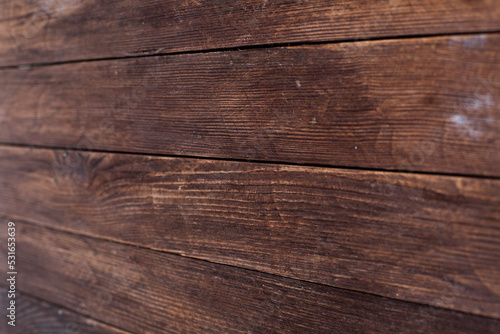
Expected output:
(251, 166)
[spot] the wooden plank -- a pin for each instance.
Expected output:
(35, 316)
(142, 290)
(422, 105)
(421, 238)
(60, 30)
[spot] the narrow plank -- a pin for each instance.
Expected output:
(60, 30)
(421, 238)
(148, 291)
(422, 105)
(36, 317)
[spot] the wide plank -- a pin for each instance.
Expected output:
(421, 238)
(36, 317)
(61, 30)
(421, 105)
(148, 291)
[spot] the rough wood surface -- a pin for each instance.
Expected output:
(37, 317)
(422, 104)
(111, 241)
(58, 30)
(421, 238)
(148, 291)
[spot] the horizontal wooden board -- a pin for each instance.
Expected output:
(36, 317)
(422, 238)
(422, 105)
(147, 291)
(60, 30)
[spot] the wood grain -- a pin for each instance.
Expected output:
(60, 30)
(148, 291)
(421, 238)
(37, 317)
(421, 105)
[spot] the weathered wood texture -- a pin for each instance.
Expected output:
(37, 317)
(422, 104)
(59, 30)
(422, 238)
(148, 291)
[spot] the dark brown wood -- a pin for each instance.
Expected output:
(58, 30)
(202, 242)
(422, 238)
(147, 291)
(419, 104)
(35, 317)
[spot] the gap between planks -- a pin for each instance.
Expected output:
(130, 244)
(159, 53)
(64, 309)
(267, 162)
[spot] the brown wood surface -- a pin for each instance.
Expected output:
(148, 291)
(216, 166)
(421, 238)
(37, 317)
(58, 30)
(421, 105)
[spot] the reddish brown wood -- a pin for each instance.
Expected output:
(35, 316)
(185, 245)
(419, 104)
(147, 291)
(421, 238)
(59, 30)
